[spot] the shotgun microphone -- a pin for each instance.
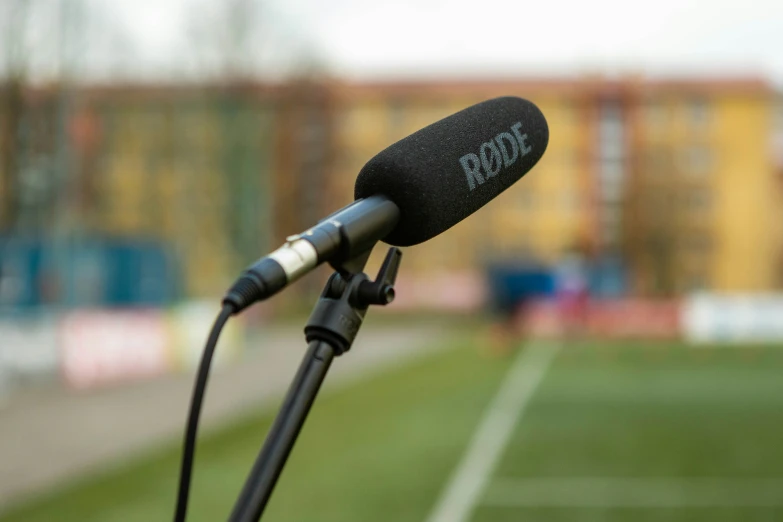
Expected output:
(412, 191)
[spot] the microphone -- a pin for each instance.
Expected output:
(412, 191)
(443, 173)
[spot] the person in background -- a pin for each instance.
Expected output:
(503, 334)
(572, 291)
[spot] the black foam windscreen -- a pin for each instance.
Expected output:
(444, 172)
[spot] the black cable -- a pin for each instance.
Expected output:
(195, 411)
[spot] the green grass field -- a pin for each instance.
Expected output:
(614, 432)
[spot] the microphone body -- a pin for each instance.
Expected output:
(340, 237)
(412, 191)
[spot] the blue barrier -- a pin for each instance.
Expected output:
(510, 285)
(90, 272)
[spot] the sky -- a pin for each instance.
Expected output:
(423, 38)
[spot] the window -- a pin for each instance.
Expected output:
(611, 145)
(349, 119)
(698, 199)
(697, 160)
(698, 112)
(569, 159)
(612, 171)
(610, 132)
(697, 242)
(696, 281)
(349, 158)
(611, 180)
(611, 223)
(396, 114)
(568, 112)
(778, 134)
(611, 113)
(611, 216)
(658, 160)
(611, 191)
(527, 200)
(658, 207)
(611, 235)
(654, 113)
(777, 118)
(570, 200)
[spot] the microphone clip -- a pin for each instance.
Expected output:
(340, 310)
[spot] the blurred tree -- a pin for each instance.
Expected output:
(224, 40)
(15, 20)
(235, 44)
(653, 216)
(42, 44)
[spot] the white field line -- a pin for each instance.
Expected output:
(467, 483)
(602, 492)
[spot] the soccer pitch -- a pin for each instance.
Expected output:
(592, 431)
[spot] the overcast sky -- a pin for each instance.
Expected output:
(370, 39)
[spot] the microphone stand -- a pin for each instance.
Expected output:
(330, 332)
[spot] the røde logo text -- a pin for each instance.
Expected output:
(494, 155)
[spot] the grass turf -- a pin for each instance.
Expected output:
(651, 411)
(377, 450)
(382, 449)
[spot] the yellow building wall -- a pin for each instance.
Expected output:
(731, 243)
(748, 201)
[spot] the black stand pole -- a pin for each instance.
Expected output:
(263, 477)
(332, 327)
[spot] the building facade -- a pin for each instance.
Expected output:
(675, 178)
(704, 207)
(187, 168)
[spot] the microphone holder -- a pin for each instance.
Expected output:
(330, 332)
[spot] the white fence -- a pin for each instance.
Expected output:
(89, 348)
(714, 318)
